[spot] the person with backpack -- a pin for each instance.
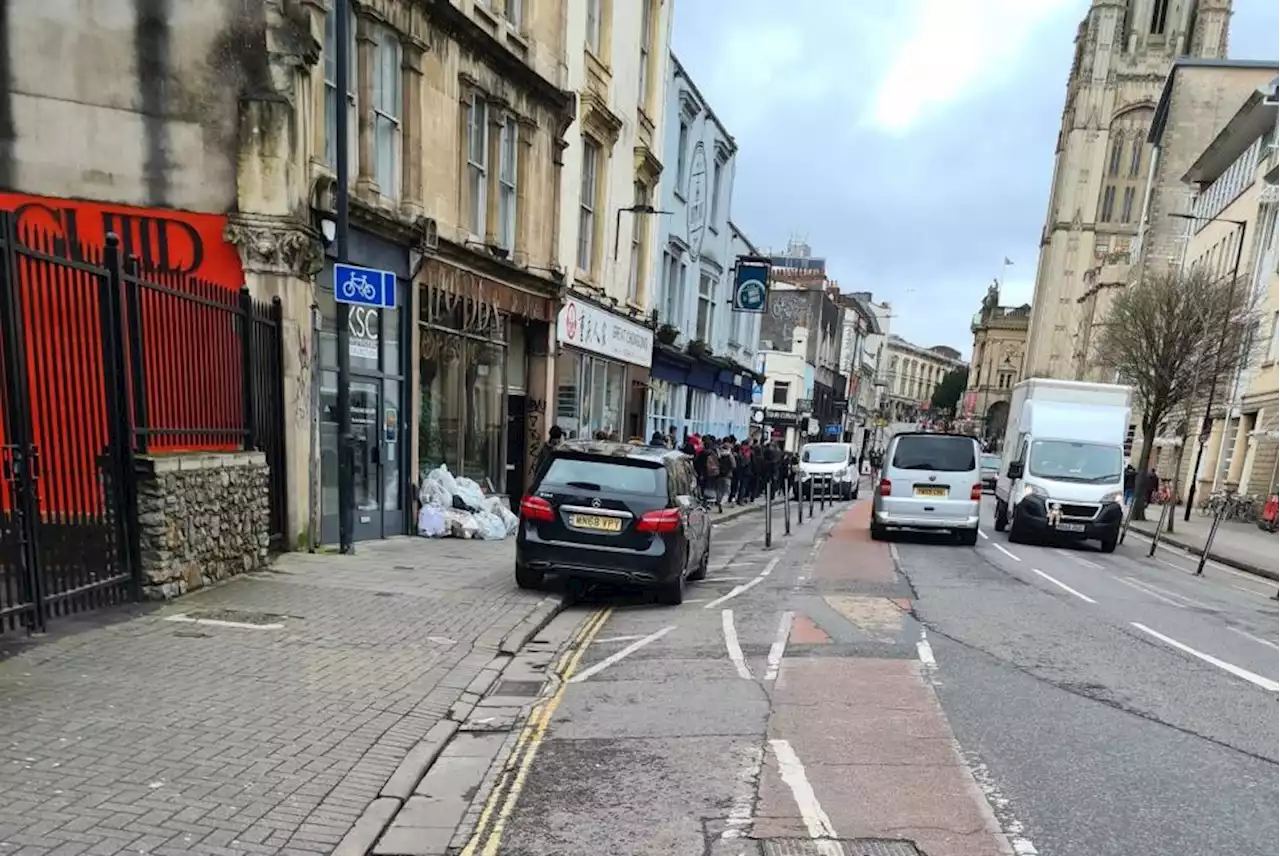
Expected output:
(727, 466)
(706, 464)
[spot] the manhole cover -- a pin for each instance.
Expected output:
(235, 616)
(517, 688)
(838, 847)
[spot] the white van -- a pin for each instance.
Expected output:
(1062, 469)
(835, 465)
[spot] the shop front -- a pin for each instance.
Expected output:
(482, 376)
(698, 395)
(602, 372)
(379, 365)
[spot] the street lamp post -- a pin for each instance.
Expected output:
(1206, 424)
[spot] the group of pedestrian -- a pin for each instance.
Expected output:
(728, 469)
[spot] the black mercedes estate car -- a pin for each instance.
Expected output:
(616, 513)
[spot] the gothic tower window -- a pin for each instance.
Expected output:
(1113, 166)
(1108, 203)
(1159, 17)
(1135, 157)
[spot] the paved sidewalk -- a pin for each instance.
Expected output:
(1239, 545)
(153, 736)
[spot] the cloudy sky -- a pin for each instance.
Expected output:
(910, 142)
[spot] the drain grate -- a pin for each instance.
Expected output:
(517, 688)
(839, 847)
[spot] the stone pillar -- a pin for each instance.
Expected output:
(366, 47)
(1209, 464)
(496, 117)
(1241, 449)
(281, 257)
(411, 52)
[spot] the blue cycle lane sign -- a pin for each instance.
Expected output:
(363, 286)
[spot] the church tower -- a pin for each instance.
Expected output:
(1124, 49)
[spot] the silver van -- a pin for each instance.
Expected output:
(929, 481)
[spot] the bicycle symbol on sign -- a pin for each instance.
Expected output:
(358, 283)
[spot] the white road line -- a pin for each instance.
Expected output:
(983, 535)
(1257, 639)
(719, 579)
(925, 652)
(1134, 584)
(1192, 557)
(1078, 559)
(731, 643)
(815, 819)
(738, 824)
(1188, 601)
(1060, 584)
(217, 622)
(1258, 680)
(1001, 548)
(625, 652)
(1250, 590)
(779, 646)
(613, 639)
(739, 589)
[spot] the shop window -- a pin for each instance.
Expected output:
(568, 399)
(485, 414)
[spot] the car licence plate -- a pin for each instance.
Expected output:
(929, 490)
(596, 522)
(1070, 527)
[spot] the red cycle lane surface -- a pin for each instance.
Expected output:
(877, 758)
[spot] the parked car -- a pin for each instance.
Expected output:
(615, 513)
(932, 482)
(990, 471)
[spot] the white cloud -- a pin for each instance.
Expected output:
(954, 47)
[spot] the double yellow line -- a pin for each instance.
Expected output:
(502, 801)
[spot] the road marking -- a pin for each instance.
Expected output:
(1001, 548)
(1012, 828)
(925, 651)
(1080, 559)
(1134, 584)
(779, 646)
(1192, 557)
(983, 535)
(1250, 590)
(1258, 680)
(625, 652)
(613, 639)
(719, 579)
(218, 622)
(1187, 601)
(731, 642)
(739, 589)
(1257, 639)
(744, 794)
(792, 771)
(1060, 584)
(516, 768)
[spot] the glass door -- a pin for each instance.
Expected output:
(366, 449)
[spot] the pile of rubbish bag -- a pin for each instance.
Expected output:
(456, 507)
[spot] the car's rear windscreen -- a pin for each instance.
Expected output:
(937, 453)
(595, 474)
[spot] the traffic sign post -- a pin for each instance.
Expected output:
(342, 237)
(361, 286)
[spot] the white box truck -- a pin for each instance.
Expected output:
(1062, 464)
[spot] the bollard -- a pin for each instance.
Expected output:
(1208, 541)
(826, 484)
(799, 501)
(1155, 539)
(786, 509)
(768, 515)
(812, 479)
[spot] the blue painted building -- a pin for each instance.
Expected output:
(704, 353)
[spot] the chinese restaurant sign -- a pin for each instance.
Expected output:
(179, 242)
(594, 329)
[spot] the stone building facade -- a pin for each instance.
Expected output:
(913, 373)
(615, 58)
(1102, 158)
(999, 344)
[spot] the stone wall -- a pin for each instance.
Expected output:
(202, 517)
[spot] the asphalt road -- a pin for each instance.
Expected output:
(972, 701)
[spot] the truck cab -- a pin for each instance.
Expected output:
(1062, 465)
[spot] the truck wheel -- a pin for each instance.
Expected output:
(1109, 543)
(1002, 516)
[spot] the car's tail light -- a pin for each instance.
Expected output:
(975, 492)
(662, 520)
(886, 487)
(537, 509)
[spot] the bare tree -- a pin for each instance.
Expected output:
(1168, 336)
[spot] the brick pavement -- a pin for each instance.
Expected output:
(160, 737)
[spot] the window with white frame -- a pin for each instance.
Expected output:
(513, 10)
(781, 392)
(717, 174)
(682, 156)
(646, 37)
(673, 310)
(331, 94)
(477, 164)
(508, 161)
(595, 25)
(637, 249)
(387, 104)
(587, 205)
(706, 295)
